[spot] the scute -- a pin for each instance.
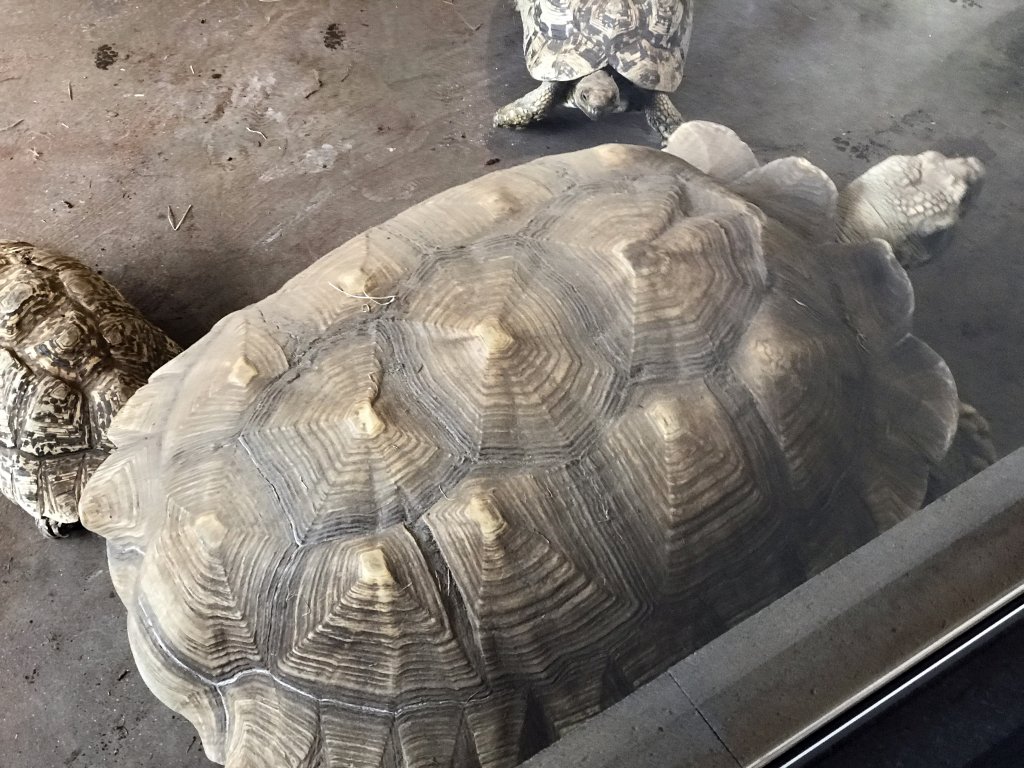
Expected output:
(781, 362)
(270, 726)
(532, 586)
(504, 355)
(643, 40)
(341, 452)
(223, 578)
(364, 617)
(693, 290)
(488, 467)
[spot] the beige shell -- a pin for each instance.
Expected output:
(72, 351)
(484, 469)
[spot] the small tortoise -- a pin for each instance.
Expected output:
(603, 56)
(484, 469)
(72, 351)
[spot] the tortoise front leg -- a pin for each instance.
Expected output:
(532, 107)
(662, 115)
(971, 452)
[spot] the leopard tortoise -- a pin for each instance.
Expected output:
(72, 351)
(481, 471)
(602, 57)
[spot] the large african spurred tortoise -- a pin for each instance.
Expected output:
(484, 469)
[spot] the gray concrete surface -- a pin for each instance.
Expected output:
(290, 126)
(745, 696)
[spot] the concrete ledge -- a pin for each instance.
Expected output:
(748, 695)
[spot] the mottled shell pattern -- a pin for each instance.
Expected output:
(645, 41)
(484, 469)
(72, 351)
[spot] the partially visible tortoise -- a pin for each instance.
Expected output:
(72, 351)
(484, 469)
(603, 56)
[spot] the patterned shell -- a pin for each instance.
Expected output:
(645, 41)
(72, 351)
(482, 470)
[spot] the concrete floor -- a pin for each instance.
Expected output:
(291, 126)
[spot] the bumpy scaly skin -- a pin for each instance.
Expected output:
(971, 452)
(662, 115)
(532, 107)
(905, 198)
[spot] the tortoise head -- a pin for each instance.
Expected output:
(913, 201)
(596, 94)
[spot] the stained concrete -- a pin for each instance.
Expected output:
(290, 126)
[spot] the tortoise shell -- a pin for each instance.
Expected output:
(645, 41)
(484, 469)
(72, 351)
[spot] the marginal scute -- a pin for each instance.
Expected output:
(795, 192)
(61, 480)
(15, 381)
(181, 690)
(440, 737)
(356, 737)
(916, 421)
(712, 149)
(270, 726)
(873, 290)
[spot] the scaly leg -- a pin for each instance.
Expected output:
(972, 450)
(662, 115)
(532, 107)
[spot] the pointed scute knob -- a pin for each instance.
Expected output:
(494, 337)
(373, 568)
(483, 511)
(366, 421)
(242, 372)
